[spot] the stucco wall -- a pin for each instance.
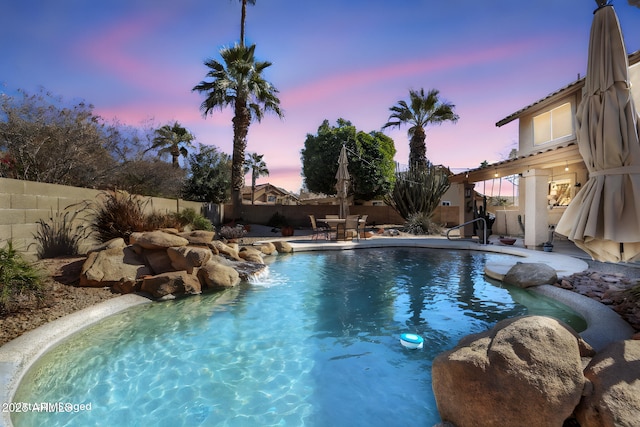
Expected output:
(24, 203)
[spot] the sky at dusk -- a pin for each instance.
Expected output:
(137, 60)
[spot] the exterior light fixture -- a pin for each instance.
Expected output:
(566, 166)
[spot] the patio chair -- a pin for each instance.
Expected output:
(351, 227)
(333, 228)
(319, 228)
(362, 226)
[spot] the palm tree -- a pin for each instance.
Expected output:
(258, 168)
(243, 17)
(421, 111)
(238, 82)
(173, 140)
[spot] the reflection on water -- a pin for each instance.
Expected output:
(315, 343)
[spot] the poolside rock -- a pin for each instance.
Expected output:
(526, 368)
(157, 239)
(199, 237)
(613, 395)
(172, 283)
(217, 275)
(117, 242)
(225, 249)
(107, 267)
(525, 275)
(283, 247)
(188, 257)
(157, 260)
(251, 254)
(268, 248)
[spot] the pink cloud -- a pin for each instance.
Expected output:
(347, 81)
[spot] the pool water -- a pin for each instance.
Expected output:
(315, 343)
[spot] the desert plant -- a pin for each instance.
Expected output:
(420, 223)
(188, 217)
(17, 278)
(230, 233)
(418, 190)
(277, 220)
(60, 235)
(118, 214)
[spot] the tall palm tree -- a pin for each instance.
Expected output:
(243, 17)
(173, 140)
(258, 168)
(421, 111)
(238, 82)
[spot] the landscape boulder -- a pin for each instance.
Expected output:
(157, 239)
(157, 260)
(108, 267)
(283, 247)
(215, 275)
(225, 249)
(188, 257)
(251, 254)
(525, 371)
(199, 237)
(612, 397)
(525, 275)
(172, 283)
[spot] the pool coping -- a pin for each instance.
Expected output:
(604, 325)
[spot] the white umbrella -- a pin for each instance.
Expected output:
(342, 182)
(604, 217)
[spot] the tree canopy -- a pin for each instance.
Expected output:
(238, 82)
(210, 176)
(370, 155)
(421, 111)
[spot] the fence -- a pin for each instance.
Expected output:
(24, 203)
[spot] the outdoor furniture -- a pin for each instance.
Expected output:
(333, 226)
(319, 228)
(348, 228)
(362, 222)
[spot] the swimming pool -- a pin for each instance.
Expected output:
(315, 343)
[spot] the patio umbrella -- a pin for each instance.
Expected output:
(604, 217)
(342, 182)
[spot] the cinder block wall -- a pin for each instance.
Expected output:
(24, 203)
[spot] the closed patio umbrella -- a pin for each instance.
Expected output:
(604, 217)
(342, 183)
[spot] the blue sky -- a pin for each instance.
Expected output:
(137, 60)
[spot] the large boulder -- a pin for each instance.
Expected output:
(199, 237)
(108, 267)
(525, 275)
(189, 257)
(613, 395)
(117, 242)
(157, 239)
(172, 283)
(251, 254)
(283, 247)
(158, 260)
(225, 250)
(215, 275)
(268, 248)
(524, 371)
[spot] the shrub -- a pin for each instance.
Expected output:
(188, 217)
(229, 233)
(18, 278)
(60, 235)
(277, 220)
(421, 223)
(118, 215)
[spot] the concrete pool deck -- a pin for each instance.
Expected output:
(604, 325)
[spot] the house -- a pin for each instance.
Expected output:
(548, 165)
(267, 194)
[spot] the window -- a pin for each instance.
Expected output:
(552, 125)
(271, 198)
